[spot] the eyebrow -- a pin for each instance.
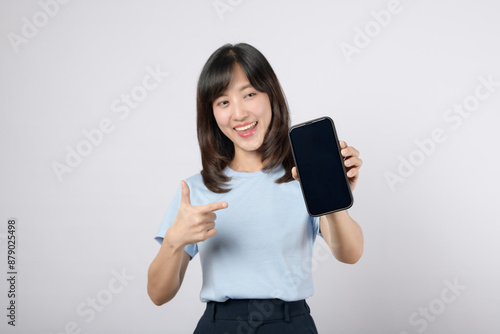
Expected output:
(241, 89)
(245, 87)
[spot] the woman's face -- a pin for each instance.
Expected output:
(243, 114)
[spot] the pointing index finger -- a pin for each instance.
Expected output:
(214, 206)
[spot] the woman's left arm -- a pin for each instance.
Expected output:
(342, 234)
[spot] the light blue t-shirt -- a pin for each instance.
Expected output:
(264, 241)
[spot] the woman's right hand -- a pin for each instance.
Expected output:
(193, 223)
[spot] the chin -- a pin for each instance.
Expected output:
(252, 147)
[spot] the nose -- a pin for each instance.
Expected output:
(239, 111)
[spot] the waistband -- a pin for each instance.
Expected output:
(255, 310)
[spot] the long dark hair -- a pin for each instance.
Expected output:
(217, 151)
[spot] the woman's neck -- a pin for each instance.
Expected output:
(249, 162)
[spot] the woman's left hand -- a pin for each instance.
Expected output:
(352, 163)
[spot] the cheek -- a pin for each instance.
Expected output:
(266, 112)
(265, 107)
(221, 119)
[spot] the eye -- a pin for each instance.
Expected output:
(251, 94)
(222, 103)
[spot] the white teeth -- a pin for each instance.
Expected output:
(246, 127)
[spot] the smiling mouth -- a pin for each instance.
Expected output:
(246, 128)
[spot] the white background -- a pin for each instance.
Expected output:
(440, 225)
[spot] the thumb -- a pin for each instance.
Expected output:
(294, 173)
(185, 194)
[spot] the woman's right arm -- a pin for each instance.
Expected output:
(193, 224)
(166, 272)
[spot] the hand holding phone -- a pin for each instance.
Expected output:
(320, 166)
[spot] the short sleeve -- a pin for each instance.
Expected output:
(168, 220)
(316, 225)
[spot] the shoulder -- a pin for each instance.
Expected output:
(195, 183)
(194, 179)
(199, 193)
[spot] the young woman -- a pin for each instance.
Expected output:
(244, 213)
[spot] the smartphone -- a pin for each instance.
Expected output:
(320, 166)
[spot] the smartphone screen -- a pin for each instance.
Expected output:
(320, 166)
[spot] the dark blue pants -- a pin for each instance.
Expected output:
(256, 316)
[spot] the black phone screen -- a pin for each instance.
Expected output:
(320, 166)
